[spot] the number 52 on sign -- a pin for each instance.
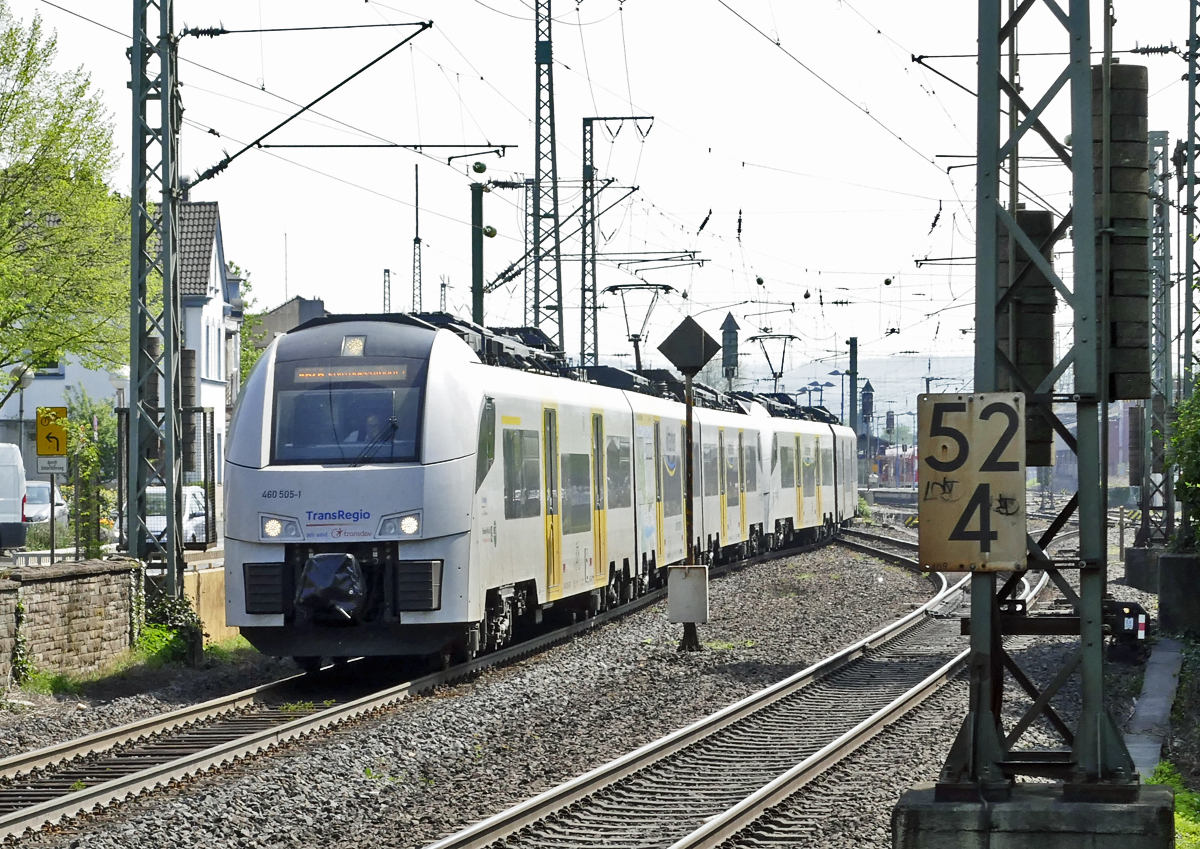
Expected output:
(971, 497)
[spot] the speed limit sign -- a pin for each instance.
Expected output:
(971, 502)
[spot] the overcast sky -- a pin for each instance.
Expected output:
(833, 157)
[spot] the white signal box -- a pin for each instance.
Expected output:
(687, 594)
(971, 500)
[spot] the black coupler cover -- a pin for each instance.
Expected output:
(331, 588)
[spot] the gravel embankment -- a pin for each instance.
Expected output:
(439, 763)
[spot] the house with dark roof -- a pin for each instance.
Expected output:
(212, 313)
(212, 319)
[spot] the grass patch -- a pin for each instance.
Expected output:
(232, 650)
(52, 684)
(297, 707)
(720, 645)
(1187, 805)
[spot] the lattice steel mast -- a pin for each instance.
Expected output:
(983, 756)
(589, 336)
(1158, 493)
(1191, 227)
(547, 244)
(387, 290)
(416, 273)
(154, 349)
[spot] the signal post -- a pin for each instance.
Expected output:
(973, 456)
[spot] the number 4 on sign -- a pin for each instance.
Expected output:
(972, 460)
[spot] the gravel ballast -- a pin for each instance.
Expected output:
(441, 762)
(31, 721)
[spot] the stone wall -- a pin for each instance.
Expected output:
(75, 617)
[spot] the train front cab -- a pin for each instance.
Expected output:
(295, 493)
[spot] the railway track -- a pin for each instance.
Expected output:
(667, 791)
(709, 781)
(47, 785)
(891, 549)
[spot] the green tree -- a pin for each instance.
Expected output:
(1183, 452)
(64, 234)
(252, 325)
(82, 412)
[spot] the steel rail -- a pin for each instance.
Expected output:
(715, 831)
(17, 822)
(532, 810)
(720, 828)
(49, 756)
(907, 544)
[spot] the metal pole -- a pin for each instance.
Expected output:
(688, 519)
(853, 375)
(53, 518)
(691, 636)
(477, 253)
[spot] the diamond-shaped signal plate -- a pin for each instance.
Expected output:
(689, 347)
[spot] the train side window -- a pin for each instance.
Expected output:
(827, 466)
(731, 474)
(577, 493)
(809, 475)
(752, 465)
(617, 466)
(774, 451)
(522, 474)
(672, 475)
(787, 467)
(711, 469)
(485, 454)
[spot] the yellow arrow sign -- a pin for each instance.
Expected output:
(51, 435)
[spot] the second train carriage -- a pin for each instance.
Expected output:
(389, 493)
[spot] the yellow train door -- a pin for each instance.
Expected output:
(801, 520)
(660, 526)
(721, 484)
(599, 515)
(742, 482)
(554, 564)
(820, 476)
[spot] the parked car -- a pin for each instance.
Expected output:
(37, 503)
(12, 497)
(195, 526)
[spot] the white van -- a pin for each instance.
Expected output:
(12, 497)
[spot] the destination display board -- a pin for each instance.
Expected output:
(971, 501)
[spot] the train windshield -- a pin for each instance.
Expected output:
(332, 413)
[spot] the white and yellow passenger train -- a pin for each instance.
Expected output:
(388, 492)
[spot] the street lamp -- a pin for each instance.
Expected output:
(823, 385)
(842, 408)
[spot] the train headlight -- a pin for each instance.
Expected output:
(406, 525)
(279, 528)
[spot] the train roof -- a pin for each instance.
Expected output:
(530, 349)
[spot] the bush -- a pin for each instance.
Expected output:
(1187, 805)
(162, 643)
(864, 509)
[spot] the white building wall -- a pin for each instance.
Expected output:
(49, 390)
